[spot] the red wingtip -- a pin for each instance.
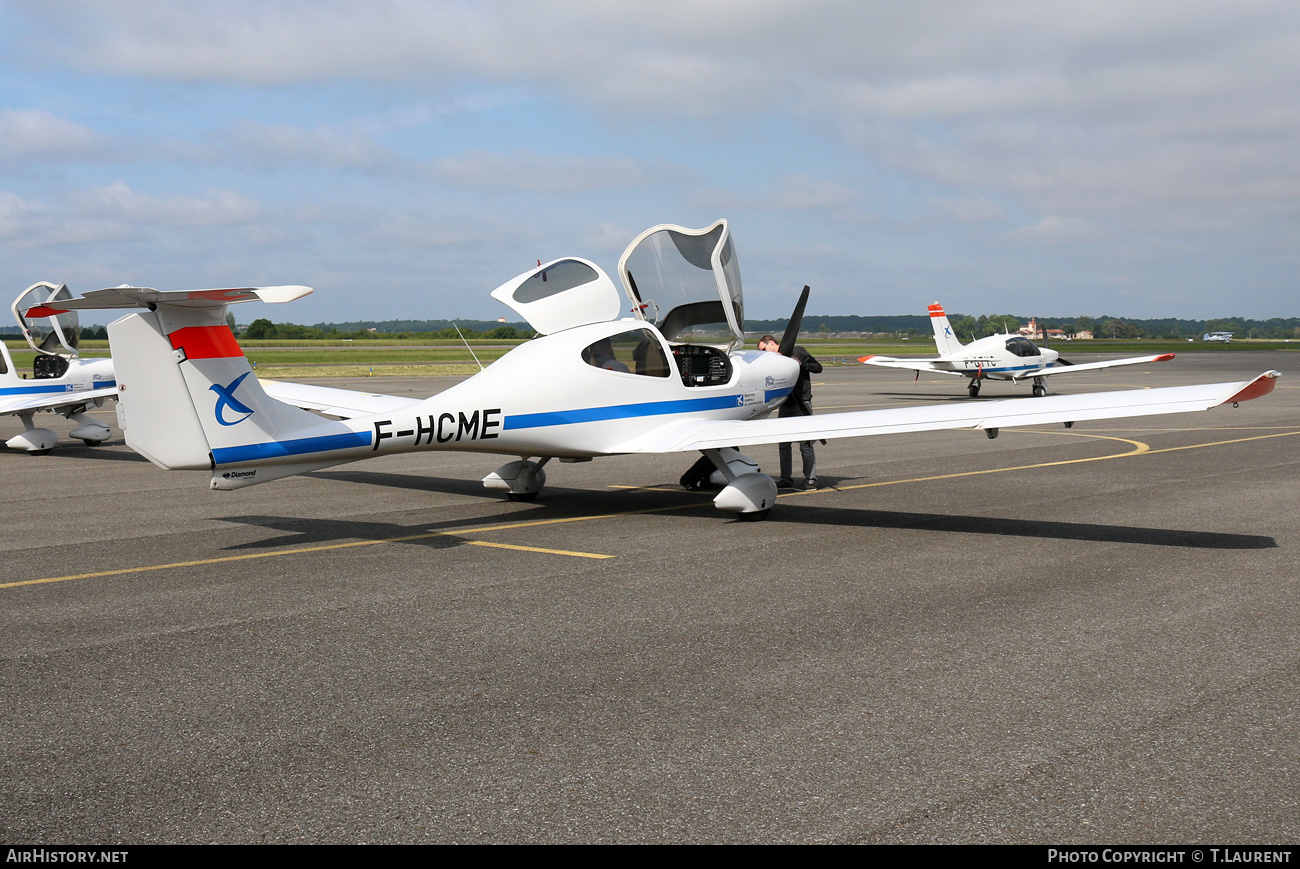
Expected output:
(44, 311)
(865, 358)
(1261, 385)
(1164, 357)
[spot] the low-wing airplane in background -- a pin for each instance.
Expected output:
(593, 384)
(997, 357)
(60, 381)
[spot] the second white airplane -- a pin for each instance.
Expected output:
(997, 357)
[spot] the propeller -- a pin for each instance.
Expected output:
(792, 328)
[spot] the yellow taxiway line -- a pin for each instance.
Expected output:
(1138, 448)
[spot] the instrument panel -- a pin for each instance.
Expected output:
(701, 365)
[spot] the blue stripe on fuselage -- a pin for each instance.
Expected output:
(1005, 369)
(283, 449)
(623, 411)
(55, 388)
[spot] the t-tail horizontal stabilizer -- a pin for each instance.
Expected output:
(126, 297)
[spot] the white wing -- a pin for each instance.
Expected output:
(910, 364)
(690, 435)
(344, 403)
(53, 401)
(1095, 366)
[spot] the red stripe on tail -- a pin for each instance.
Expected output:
(206, 342)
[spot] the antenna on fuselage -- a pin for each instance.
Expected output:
(467, 347)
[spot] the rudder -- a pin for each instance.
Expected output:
(944, 340)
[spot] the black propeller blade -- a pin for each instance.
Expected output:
(792, 329)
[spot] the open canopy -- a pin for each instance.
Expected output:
(55, 335)
(680, 279)
(686, 278)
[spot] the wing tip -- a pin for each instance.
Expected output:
(1258, 387)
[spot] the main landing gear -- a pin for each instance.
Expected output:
(1040, 388)
(974, 387)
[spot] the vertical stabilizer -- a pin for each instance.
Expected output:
(944, 339)
(154, 409)
(189, 398)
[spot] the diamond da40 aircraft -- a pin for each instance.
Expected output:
(996, 357)
(60, 381)
(594, 383)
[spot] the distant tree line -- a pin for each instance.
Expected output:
(264, 329)
(1105, 326)
(965, 325)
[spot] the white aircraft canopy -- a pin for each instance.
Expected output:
(683, 278)
(675, 277)
(53, 335)
(562, 294)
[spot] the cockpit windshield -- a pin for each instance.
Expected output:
(56, 336)
(687, 281)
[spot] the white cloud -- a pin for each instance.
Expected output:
(113, 213)
(1096, 128)
(285, 144)
(26, 133)
(786, 193)
(1056, 229)
(545, 173)
(970, 209)
(121, 203)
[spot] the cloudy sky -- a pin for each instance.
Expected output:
(1097, 157)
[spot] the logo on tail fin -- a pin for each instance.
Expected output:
(226, 398)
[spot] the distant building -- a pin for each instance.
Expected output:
(1034, 332)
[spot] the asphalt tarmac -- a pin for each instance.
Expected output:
(1058, 636)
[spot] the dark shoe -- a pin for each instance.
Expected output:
(785, 483)
(810, 484)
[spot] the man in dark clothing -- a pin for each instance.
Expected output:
(798, 403)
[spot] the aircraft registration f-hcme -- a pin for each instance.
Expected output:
(996, 357)
(593, 384)
(60, 383)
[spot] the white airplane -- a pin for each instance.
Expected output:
(997, 357)
(1218, 337)
(594, 384)
(60, 382)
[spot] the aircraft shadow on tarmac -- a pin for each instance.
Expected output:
(99, 452)
(562, 503)
(415, 482)
(812, 514)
